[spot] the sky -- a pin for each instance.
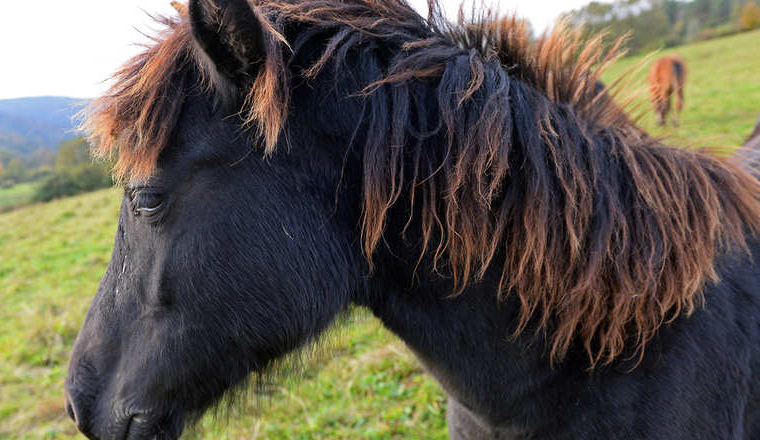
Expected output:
(70, 48)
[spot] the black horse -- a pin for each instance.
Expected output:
(753, 141)
(559, 272)
(748, 155)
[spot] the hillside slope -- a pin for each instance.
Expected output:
(363, 383)
(367, 385)
(722, 91)
(27, 124)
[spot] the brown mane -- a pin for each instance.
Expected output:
(601, 232)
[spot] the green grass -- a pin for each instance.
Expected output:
(52, 256)
(16, 195)
(368, 385)
(722, 91)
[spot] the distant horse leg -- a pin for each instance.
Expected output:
(663, 108)
(657, 103)
(662, 103)
(679, 103)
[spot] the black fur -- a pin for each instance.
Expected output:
(249, 258)
(231, 35)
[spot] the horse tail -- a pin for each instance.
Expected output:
(678, 80)
(679, 70)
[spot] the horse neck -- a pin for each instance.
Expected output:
(461, 340)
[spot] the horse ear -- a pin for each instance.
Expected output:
(231, 34)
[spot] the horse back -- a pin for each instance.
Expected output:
(667, 74)
(735, 302)
(700, 377)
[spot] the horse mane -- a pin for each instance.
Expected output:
(601, 232)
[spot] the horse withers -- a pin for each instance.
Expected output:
(667, 76)
(559, 272)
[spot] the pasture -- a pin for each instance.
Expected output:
(365, 383)
(16, 195)
(722, 91)
(51, 259)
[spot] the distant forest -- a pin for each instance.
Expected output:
(665, 23)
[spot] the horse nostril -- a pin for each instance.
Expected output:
(77, 411)
(70, 409)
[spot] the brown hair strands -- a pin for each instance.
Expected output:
(601, 232)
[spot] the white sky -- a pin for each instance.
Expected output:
(68, 48)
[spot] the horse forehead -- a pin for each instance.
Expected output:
(203, 133)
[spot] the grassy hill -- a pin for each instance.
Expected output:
(27, 124)
(16, 195)
(366, 386)
(722, 99)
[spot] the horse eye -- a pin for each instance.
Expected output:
(146, 203)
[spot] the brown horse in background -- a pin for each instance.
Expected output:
(666, 77)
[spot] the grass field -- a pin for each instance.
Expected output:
(51, 259)
(722, 91)
(16, 195)
(368, 386)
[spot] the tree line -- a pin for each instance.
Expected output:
(65, 172)
(666, 23)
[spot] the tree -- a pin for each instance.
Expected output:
(75, 172)
(41, 157)
(59, 185)
(652, 29)
(750, 17)
(71, 154)
(15, 170)
(672, 10)
(702, 10)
